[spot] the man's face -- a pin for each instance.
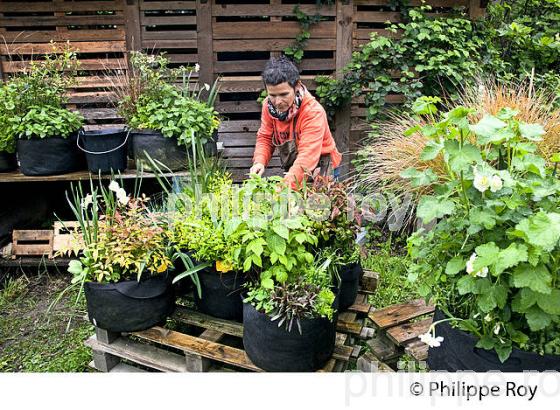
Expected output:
(281, 96)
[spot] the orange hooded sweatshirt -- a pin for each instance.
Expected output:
(313, 138)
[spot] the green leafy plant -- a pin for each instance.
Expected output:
(150, 99)
(490, 260)
(33, 102)
(296, 50)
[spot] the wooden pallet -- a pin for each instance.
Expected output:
(209, 345)
(32, 242)
(397, 329)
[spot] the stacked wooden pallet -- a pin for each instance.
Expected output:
(201, 343)
(397, 329)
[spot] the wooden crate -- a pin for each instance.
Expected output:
(63, 234)
(209, 345)
(397, 329)
(32, 242)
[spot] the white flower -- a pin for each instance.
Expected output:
(497, 329)
(488, 318)
(470, 263)
(430, 340)
(207, 87)
(482, 273)
(87, 201)
(196, 68)
(114, 186)
(122, 196)
(481, 182)
(495, 183)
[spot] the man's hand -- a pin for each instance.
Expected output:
(257, 168)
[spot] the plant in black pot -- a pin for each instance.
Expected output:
(125, 256)
(490, 262)
(337, 222)
(34, 114)
(199, 230)
(166, 116)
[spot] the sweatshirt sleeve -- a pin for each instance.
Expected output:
(264, 147)
(313, 128)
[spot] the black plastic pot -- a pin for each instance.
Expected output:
(220, 294)
(159, 148)
(49, 156)
(457, 352)
(274, 349)
(211, 146)
(349, 283)
(130, 306)
(8, 162)
(106, 150)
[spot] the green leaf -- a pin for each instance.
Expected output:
(536, 278)
(461, 158)
(455, 265)
(524, 299)
(537, 319)
(486, 342)
(485, 217)
(467, 284)
(550, 303)
(532, 132)
(510, 257)
(486, 128)
(276, 243)
(486, 255)
(486, 302)
(431, 207)
(75, 267)
(542, 230)
(267, 283)
(503, 352)
(282, 231)
(431, 150)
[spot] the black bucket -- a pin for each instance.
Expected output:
(130, 306)
(349, 283)
(160, 149)
(211, 146)
(274, 349)
(458, 352)
(221, 294)
(106, 150)
(49, 156)
(8, 162)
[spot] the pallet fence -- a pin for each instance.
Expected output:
(230, 39)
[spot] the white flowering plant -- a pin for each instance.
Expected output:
(119, 237)
(492, 255)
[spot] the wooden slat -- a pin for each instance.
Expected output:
(397, 314)
(166, 35)
(78, 46)
(204, 348)
(269, 10)
(141, 353)
(195, 318)
(49, 6)
(270, 30)
(406, 332)
(417, 349)
(72, 35)
(168, 20)
(85, 64)
(40, 21)
(271, 45)
(161, 44)
(167, 5)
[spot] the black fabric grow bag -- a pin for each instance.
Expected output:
(130, 306)
(8, 162)
(106, 150)
(220, 294)
(457, 352)
(49, 156)
(274, 349)
(349, 283)
(211, 146)
(159, 148)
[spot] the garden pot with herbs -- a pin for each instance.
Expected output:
(168, 121)
(289, 310)
(490, 263)
(125, 257)
(33, 113)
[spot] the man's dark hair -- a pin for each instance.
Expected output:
(280, 70)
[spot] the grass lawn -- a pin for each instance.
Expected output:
(32, 340)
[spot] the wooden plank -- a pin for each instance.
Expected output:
(279, 10)
(369, 281)
(185, 20)
(377, 17)
(401, 313)
(195, 318)
(406, 332)
(369, 363)
(78, 46)
(168, 34)
(239, 126)
(133, 31)
(383, 348)
(85, 64)
(141, 353)
(270, 30)
(164, 44)
(16, 176)
(197, 363)
(204, 31)
(258, 65)
(277, 44)
(417, 349)
(49, 6)
(30, 22)
(73, 35)
(32, 242)
(205, 348)
(167, 5)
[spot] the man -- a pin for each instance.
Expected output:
(294, 122)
